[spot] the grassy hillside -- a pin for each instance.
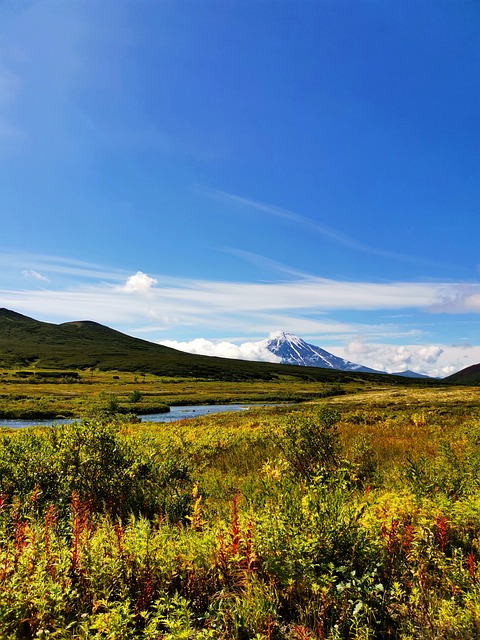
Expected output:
(25, 342)
(467, 376)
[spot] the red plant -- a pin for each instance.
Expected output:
(408, 531)
(441, 531)
(144, 590)
(119, 533)
(302, 633)
(234, 527)
(471, 565)
(81, 522)
(19, 534)
(237, 557)
(390, 535)
(269, 627)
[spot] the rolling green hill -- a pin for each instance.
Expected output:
(25, 342)
(468, 376)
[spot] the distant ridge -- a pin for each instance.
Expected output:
(412, 374)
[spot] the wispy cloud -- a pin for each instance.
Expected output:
(57, 267)
(267, 263)
(325, 231)
(34, 275)
(278, 212)
(303, 296)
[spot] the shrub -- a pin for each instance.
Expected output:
(135, 396)
(310, 442)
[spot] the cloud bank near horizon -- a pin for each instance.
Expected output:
(432, 360)
(255, 351)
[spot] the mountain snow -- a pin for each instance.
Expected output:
(293, 350)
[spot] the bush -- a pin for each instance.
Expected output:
(135, 396)
(311, 443)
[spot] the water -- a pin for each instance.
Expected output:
(175, 413)
(192, 411)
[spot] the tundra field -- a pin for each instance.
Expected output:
(37, 394)
(347, 516)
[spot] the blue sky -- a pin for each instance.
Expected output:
(215, 171)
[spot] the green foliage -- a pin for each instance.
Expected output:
(208, 529)
(135, 396)
(311, 443)
(111, 473)
(453, 473)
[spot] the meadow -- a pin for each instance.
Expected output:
(351, 516)
(32, 393)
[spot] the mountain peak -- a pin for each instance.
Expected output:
(285, 336)
(294, 350)
(281, 335)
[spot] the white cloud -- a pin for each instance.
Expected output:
(432, 360)
(245, 351)
(139, 283)
(430, 354)
(34, 275)
(298, 306)
(458, 298)
(383, 357)
(308, 296)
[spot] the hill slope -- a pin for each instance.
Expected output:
(469, 376)
(84, 344)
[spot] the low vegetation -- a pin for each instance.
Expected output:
(33, 393)
(356, 516)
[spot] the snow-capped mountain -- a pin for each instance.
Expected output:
(293, 350)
